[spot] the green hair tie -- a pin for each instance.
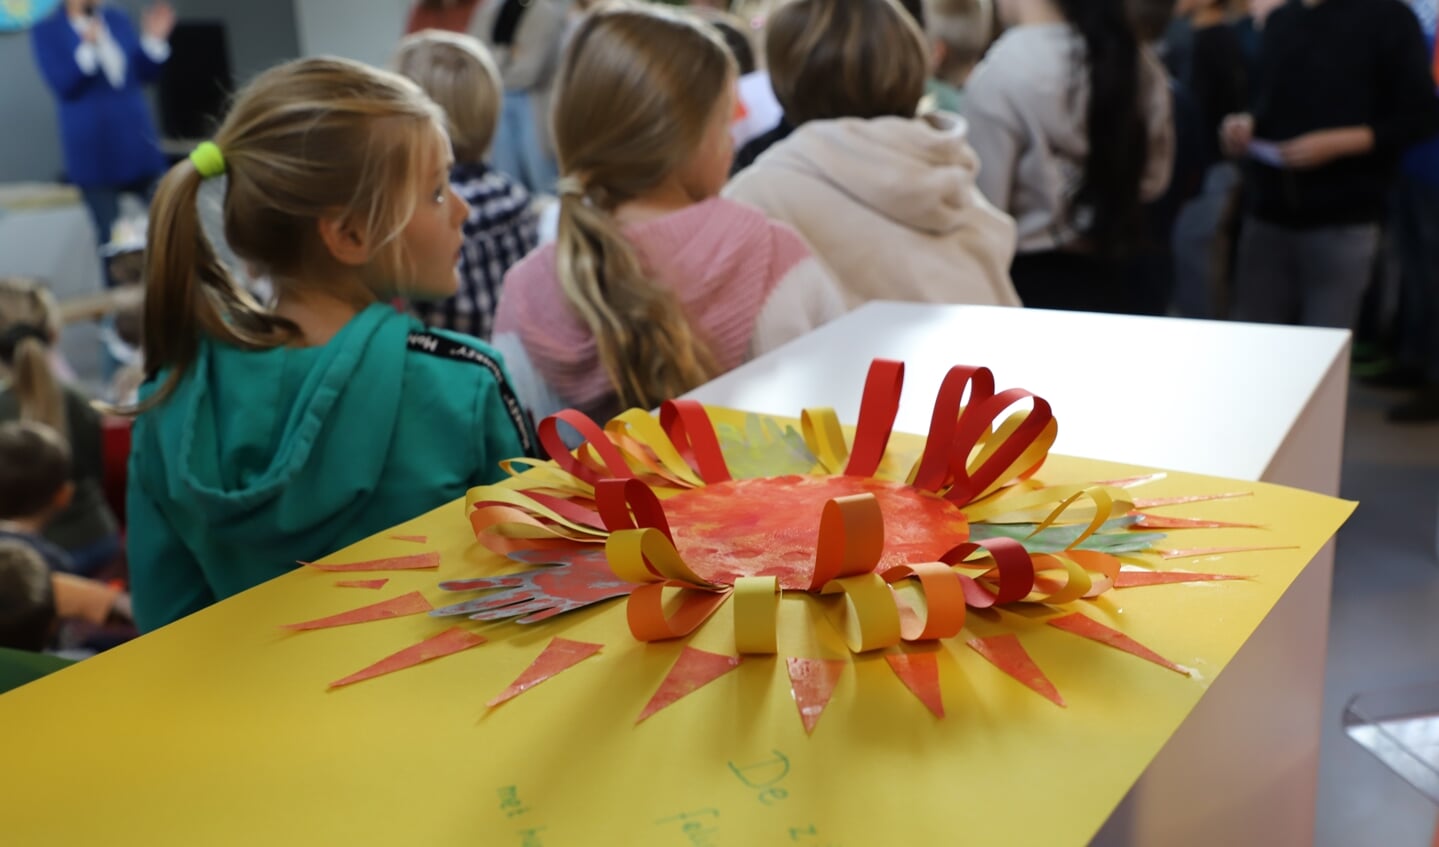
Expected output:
(208, 159)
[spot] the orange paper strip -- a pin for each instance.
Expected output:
(1138, 579)
(920, 674)
(413, 539)
(1006, 653)
(693, 670)
(812, 683)
(416, 562)
(361, 583)
(1156, 502)
(1087, 627)
(560, 655)
(1161, 522)
(450, 641)
(396, 607)
(1215, 551)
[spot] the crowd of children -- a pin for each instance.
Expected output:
(413, 323)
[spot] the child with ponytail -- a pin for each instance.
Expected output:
(655, 284)
(31, 390)
(271, 433)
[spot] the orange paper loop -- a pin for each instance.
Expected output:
(649, 622)
(944, 607)
(851, 538)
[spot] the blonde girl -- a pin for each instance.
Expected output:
(655, 284)
(30, 390)
(271, 433)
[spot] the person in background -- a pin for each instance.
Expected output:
(758, 110)
(31, 390)
(1151, 268)
(35, 486)
(96, 64)
(1071, 118)
(448, 15)
(267, 435)
(959, 32)
(1215, 75)
(526, 38)
(1343, 88)
(1415, 222)
(885, 198)
(655, 284)
(457, 73)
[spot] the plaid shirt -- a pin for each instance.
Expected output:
(501, 230)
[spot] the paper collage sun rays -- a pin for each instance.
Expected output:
(682, 520)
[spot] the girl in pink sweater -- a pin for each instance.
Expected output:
(655, 284)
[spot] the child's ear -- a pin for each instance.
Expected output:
(344, 240)
(63, 497)
(937, 51)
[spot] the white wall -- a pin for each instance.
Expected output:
(364, 30)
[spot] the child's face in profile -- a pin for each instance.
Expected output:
(707, 171)
(433, 237)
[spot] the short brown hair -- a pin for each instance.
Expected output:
(27, 597)
(460, 75)
(34, 467)
(964, 27)
(845, 59)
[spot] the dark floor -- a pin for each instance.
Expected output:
(1384, 623)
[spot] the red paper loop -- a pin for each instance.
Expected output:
(1011, 560)
(877, 412)
(618, 498)
(975, 424)
(934, 467)
(693, 434)
(554, 444)
(851, 539)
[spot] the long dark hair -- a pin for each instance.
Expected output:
(1108, 203)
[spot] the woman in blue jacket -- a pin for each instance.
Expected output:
(96, 63)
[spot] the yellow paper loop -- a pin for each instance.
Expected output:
(645, 429)
(1076, 586)
(646, 555)
(870, 620)
(825, 438)
(756, 614)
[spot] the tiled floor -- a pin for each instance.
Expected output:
(1384, 623)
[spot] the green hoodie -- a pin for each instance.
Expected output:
(262, 459)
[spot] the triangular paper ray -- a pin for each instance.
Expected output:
(360, 583)
(396, 607)
(1138, 579)
(1156, 502)
(446, 643)
(812, 683)
(413, 539)
(416, 562)
(1087, 627)
(1006, 653)
(1162, 522)
(693, 670)
(1217, 551)
(560, 655)
(920, 674)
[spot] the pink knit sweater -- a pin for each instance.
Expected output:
(723, 260)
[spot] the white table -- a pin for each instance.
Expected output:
(1234, 400)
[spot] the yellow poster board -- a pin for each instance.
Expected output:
(220, 730)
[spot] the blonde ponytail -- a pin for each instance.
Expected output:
(29, 321)
(637, 91)
(645, 342)
(188, 290)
